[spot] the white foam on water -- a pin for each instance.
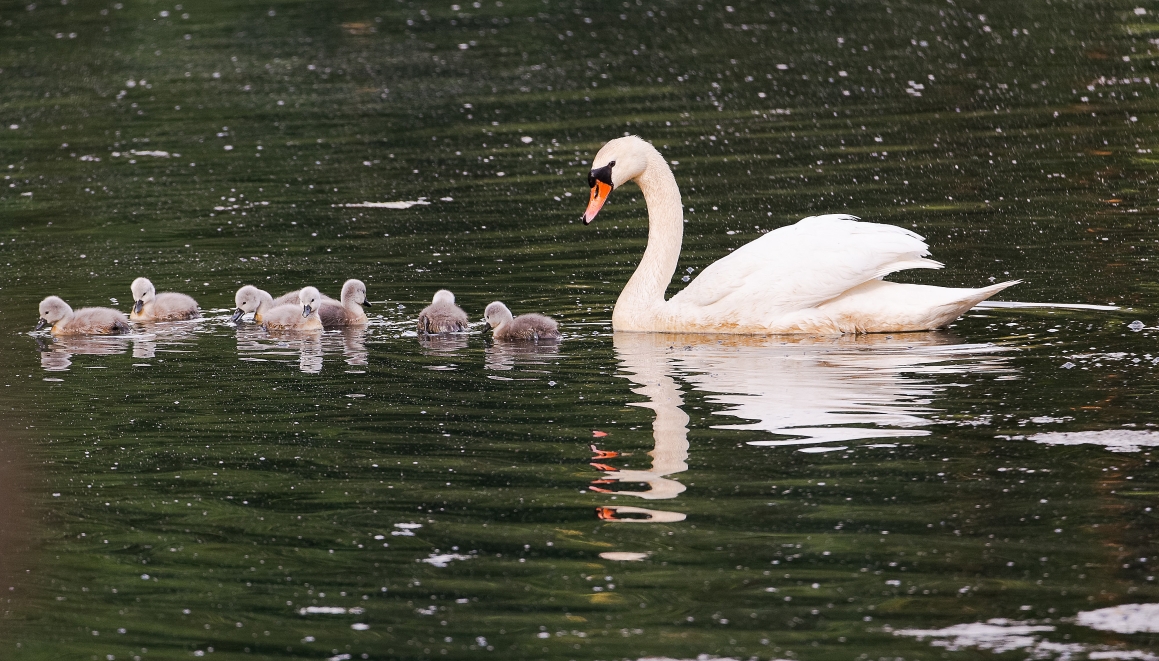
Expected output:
(1115, 440)
(1127, 618)
(402, 204)
(329, 610)
(995, 635)
(1000, 635)
(699, 657)
(624, 556)
(444, 559)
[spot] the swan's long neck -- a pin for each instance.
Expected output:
(643, 296)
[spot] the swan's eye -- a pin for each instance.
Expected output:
(603, 174)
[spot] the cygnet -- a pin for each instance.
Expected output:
(302, 316)
(148, 305)
(251, 299)
(524, 327)
(349, 311)
(442, 315)
(85, 321)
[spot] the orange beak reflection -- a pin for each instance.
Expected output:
(600, 192)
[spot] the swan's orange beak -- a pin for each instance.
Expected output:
(600, 192)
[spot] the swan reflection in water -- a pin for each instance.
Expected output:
(806, 391)
(506, 356)
(444, 345)
(56, 353)
(255, 344)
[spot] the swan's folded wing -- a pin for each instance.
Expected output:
(803, 265)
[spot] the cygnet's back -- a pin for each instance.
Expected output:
(442, 315)
(291, 297)
(524, 327)
(288, 298)
(349, 311)
(300, 316)
(148, 305)
(85, 321)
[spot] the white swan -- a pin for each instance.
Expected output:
(821, 275)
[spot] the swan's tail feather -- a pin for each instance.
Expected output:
(971, 297)
(986, 292)
(912, 263)
(966, 300)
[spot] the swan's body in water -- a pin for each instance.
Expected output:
(85, 321)
(349, 311)
(524, 327)
(442, 315)
(148, 305)
(302, 315)
(822, 275)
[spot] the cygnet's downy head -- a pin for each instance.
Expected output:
(354, 290)
(247, 299)
(618, 162)
(496, 313)
(309, 298)
(52, 310)
(143, 292)
(443, 296)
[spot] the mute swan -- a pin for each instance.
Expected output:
(148, 305)
(524, 327)
(821, 275)
(442, 315)
(300, 316)
(349, 312)
(85, 321)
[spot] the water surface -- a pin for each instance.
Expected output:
(205, 489)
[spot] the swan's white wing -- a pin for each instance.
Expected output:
(803, 265)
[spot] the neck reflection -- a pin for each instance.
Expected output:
(809, 393)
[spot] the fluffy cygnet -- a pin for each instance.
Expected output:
(524, 327)
(302, 316)
(85, 321)
(251, 299)
(148, 305)
(349, 311)
(259, 301)
(442, 315)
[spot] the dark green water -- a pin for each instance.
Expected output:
(193, 489)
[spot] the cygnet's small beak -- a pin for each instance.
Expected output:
(365, 304)
(237, 315)
(306, 310)
(138, 306)
(40, 323)
(600, 192)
